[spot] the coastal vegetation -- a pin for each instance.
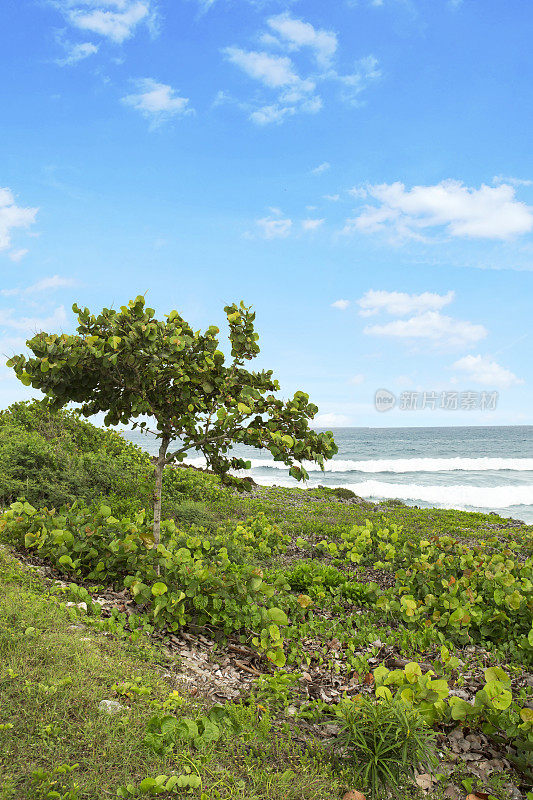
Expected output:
(127, 364)
(275, 643)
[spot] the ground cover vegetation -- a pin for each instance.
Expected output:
(382, 649)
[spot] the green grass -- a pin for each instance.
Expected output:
(52, 679)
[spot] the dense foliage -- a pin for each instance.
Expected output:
(52, 458)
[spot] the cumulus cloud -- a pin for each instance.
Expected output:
(157, 102)
(482, 370)
(432, 327)
(116, 20)
(296, 33)
(490, 212)
(342, 305)
(77, 52)
(274, 227)
(400, 303)
(13, 216)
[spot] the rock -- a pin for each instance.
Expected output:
(353, 794)
(514, 792)
(81, 606)
(111, 707)
(424, 781)
(331, 730)
(452, 793)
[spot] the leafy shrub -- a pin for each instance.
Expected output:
(195, 582)
(56, 458)
(387, 742)
(343, 494)
(53, 458)
(314, 578)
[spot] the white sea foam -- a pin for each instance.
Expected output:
(399, 465)
(448, 496)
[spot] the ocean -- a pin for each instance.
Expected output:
(470, 468)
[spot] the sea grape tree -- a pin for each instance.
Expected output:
(132, 366)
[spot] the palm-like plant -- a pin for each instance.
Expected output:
(388, 742)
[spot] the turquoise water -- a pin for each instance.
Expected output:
(477, 468)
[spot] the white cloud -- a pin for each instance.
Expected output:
(342, 305)
(266, 115)
(321, 168)
(482, 370)
(357, 380)
(77, 52)
(401, 303)
(114, 19)
(275, 228)
(32, 324)
(272, 71)
(297, 34)
(365, 71)
(312, 224)
(157, 101)
(11, 217)
(491, 212)
(294, 94)
(278, 73)
(334, 198)
(433, 327)
(513, 181)
(52, 282)
(18, 255)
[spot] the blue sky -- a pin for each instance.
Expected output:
(360, 171)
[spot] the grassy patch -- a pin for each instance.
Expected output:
(53, 676)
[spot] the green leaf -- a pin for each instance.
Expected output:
(412, 671)
(497, 674)
(278, 616)
(159, 588)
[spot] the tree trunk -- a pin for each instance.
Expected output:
(159, 465)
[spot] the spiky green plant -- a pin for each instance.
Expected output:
(387, 742)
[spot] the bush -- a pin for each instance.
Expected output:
(387, 742)
(343, 494)
(57, 458)
(184, 579)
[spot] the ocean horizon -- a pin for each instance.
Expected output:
(472, 468)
